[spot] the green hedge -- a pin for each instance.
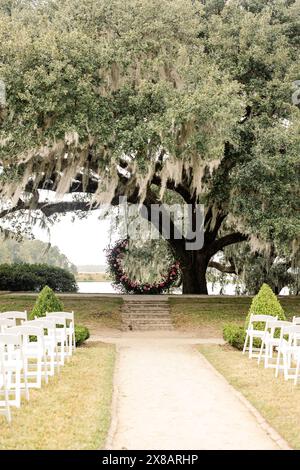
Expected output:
(81, 334)
(46, 301)
(235, 335)
(264, 303)
(33, 277)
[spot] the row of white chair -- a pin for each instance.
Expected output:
(276, 335)
(30, 351)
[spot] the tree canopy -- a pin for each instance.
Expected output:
(140, 98)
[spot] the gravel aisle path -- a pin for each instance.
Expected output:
(168, 397)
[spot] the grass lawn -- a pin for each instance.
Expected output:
(94, 312)
(207, 316)
(204, 316)
(278, 401)
(72, 411)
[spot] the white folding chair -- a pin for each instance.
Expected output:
(289, 352)
(4, 402)
(15, 315)
(70, 328)
(60, 325)
(14, 364)
(6, 323)
(271, 340)
(296, 320)
(34, 353)
(50, 342)
(252, 333)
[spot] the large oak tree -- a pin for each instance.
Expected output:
(138, 98)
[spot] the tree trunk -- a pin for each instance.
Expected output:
(194, 268)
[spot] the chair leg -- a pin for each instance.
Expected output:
(251, 347)
(18, 388)
(266, 356)
(39, 372)
(7, 407)
(278, 362)
(44, 359)
(260, 351)
(245, 343)
(287, 365)
(297, 371)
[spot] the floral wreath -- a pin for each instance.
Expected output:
(123, 283)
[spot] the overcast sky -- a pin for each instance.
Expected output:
(82, 241)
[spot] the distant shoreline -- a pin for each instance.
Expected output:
(92, 277)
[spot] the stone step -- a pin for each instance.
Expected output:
(146, 322)
(148, 310)
(149, 314)
(150, 317)
(146, 306)
(146, 318)
(140, 308)
(146, 314)
(149, 328)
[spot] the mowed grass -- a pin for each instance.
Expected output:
(94, 312)
(72, 411)
(277, 400)
(207, 316)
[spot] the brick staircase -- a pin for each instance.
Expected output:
(144, 313)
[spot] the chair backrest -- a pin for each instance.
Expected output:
(27, 332)
(42, 323)
(11, 338)
(296, 320)
(56, 320)
(69, 316)
(277, 325)
(293, 333)
(260, 319)
(6, 323)
(39, 322)
(10, 346)
(15, 315)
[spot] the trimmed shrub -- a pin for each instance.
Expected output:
(265, 303)
(33, 277)
(235, 335)
(47, 301)
(81, 334)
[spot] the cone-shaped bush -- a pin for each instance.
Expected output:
(265, 303)
(46, 302)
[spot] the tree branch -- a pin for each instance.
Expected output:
(49, 209)
(227, 240)
(230, 269)
(180, 188)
